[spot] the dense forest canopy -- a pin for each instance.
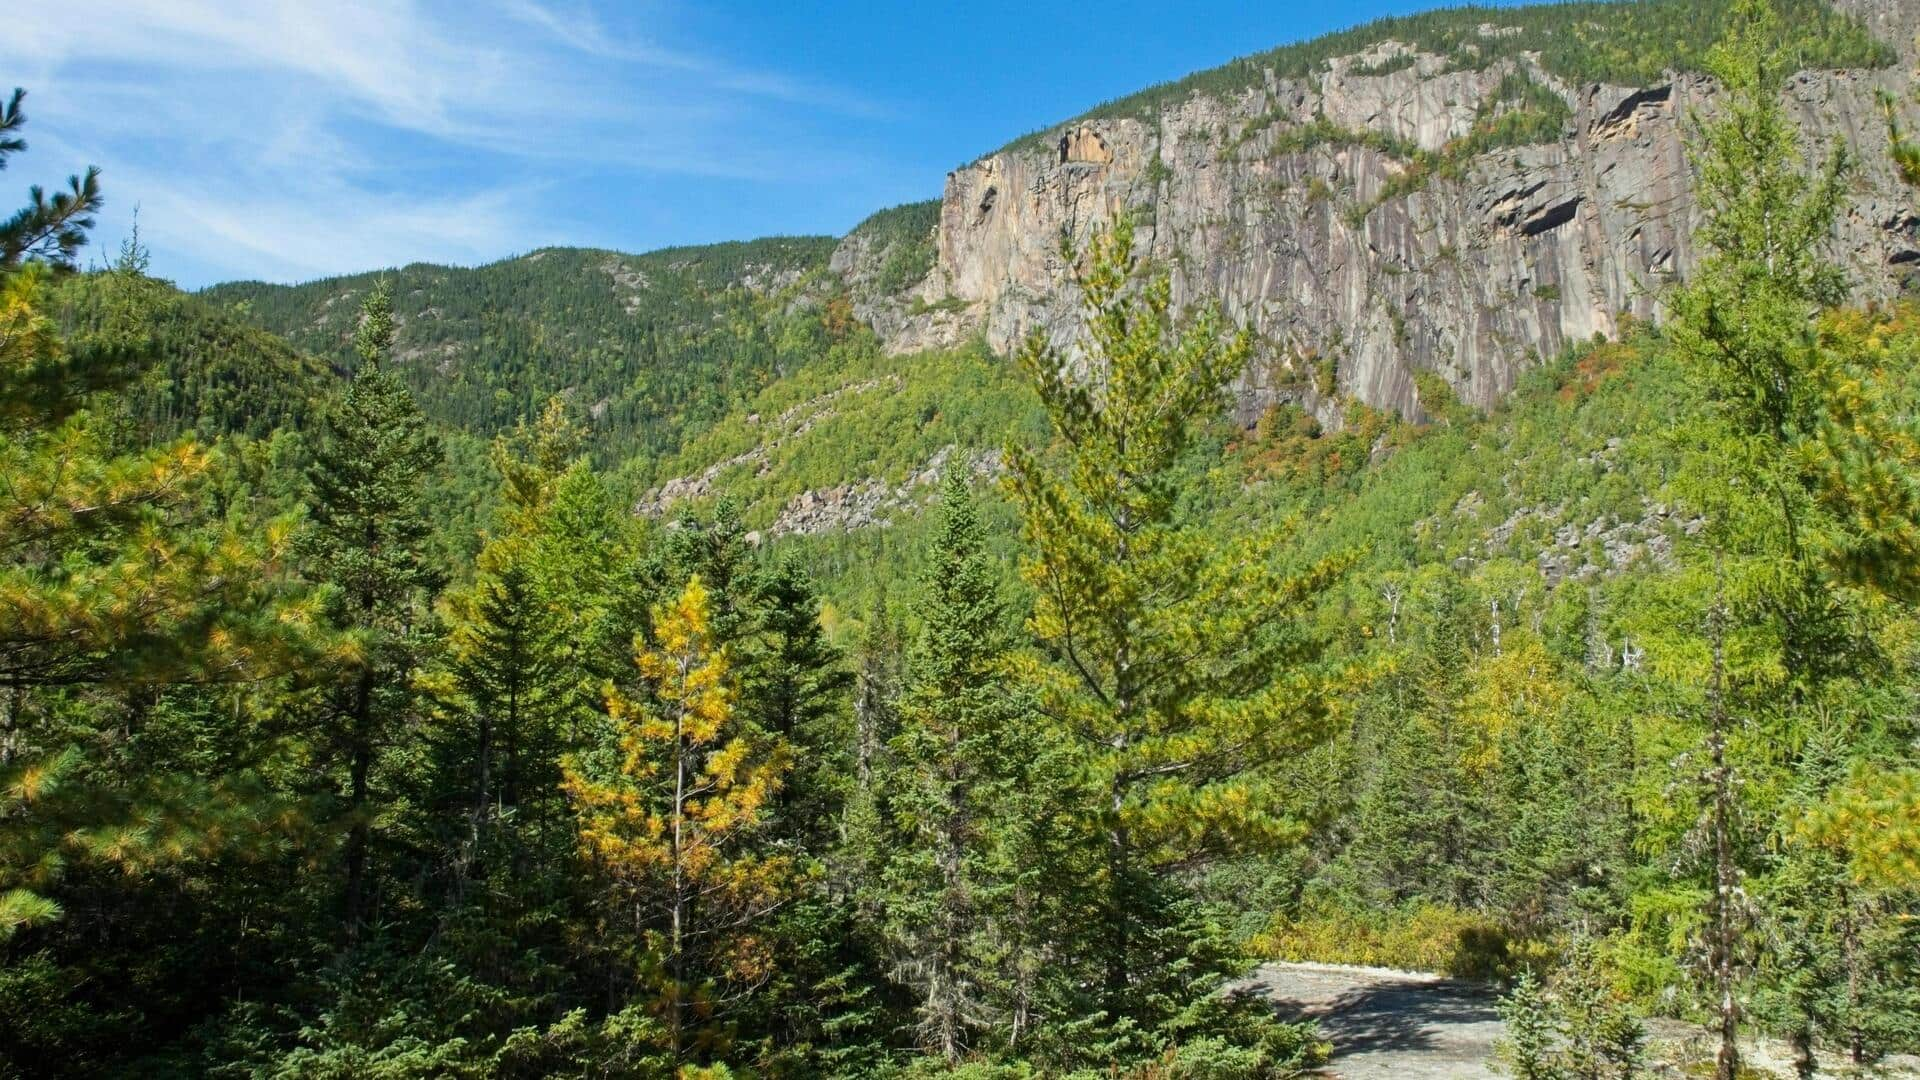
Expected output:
(650, 347)
(605, 665)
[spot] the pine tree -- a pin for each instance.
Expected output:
(1745, 319)
(533, 458)
(1174, 664)
(52, 229)
(115, 574)
(368, 540)
(676, 824)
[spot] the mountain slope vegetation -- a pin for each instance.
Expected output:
(600, 665)
(648, 347)
(1627, 44)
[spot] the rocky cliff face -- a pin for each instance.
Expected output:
(1303, 206)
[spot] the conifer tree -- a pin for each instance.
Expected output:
(676, 825)
(795, 685)
(114, 573)
(49, 230)
(368, 539)
(718, 552)
(878, 672)
(959, 791)
(524, 635)
(1174, 664)
(1800, 473)
(508, 669)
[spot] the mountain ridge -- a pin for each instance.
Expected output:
(1397, 210)
(1434, 193)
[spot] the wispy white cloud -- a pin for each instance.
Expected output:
(387, 57)
(285, 138)
(580, 29)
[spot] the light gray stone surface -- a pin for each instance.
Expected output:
(1476, 278)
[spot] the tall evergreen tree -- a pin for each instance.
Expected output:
(959, 794)
(509, 671)
(796, 685)
(1174, 664)
(368, 539)
(717, 551)
(525, 635)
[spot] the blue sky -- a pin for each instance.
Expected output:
(289, 140)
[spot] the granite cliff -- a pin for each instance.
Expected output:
(1389, 210)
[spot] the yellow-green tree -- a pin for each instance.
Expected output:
(114, 573)
(1803, 475)
(1174, 662)
(673, 826)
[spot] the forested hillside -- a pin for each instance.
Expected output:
(646, 347)
(1624, 44)
(626, 666)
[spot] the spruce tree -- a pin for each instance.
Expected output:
(511, 677)
(717, 551)
(368, 540)
(796, 685)
(959, 792)
(523, 648)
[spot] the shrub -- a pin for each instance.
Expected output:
(1429, 937)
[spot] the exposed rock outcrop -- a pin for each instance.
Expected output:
(1329, 249)
(873, 502)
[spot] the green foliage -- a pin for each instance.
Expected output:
(1625, 44)
(1426, 937)
(648, 347)
(1642, 632)
(795, 686)
(1575, 1027)
(906, 234)
(858, 416)
(1176, 668)
(49, 229)
(368, 541)
(1528, 1047)
(967, 791)
(212, 373)
(114, 572)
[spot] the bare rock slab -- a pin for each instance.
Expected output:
(1385, 1023)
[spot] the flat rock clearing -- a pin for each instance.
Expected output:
(1385, 1024)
